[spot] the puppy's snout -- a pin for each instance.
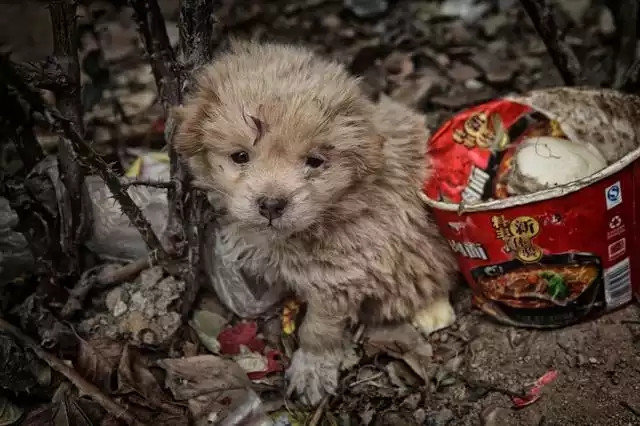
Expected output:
(271, 208)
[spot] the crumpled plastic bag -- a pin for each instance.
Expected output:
(113, 237)
(246, 296)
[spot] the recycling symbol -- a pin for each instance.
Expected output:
(615, 222)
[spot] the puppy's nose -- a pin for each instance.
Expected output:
(271, 208)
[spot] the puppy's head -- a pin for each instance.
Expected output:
(278, 135)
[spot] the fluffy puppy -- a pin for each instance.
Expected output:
(319, 188)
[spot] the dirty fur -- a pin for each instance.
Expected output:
(354, 240)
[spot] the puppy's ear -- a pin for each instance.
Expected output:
(187, 140)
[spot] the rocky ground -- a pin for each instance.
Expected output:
(436, 56)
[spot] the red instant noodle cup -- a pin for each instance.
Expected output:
(552, 257)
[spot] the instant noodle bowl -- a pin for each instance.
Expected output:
(550, 257)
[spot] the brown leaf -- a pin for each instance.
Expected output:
(191, 377)
(218, 390)
(64, 410)
(98, 361)
(134, 376)
(144, 395)
(403, 342)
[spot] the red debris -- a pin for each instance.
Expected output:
(536, 391)
(243, 333)
(274, 364)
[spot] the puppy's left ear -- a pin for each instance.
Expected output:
(187, 140)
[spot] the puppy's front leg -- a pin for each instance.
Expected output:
(315, 365)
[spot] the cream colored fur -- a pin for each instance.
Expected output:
(354, 241)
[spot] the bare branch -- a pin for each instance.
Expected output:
(196, 32)
(86, 387)
(156, 41)
(87, 156)
(561, 53)
(65, 51)
(168, 80)
(196, 45)
(151, 183)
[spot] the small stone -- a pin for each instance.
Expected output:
(331, 22)
(492, 24)
(500, 75)
(581, 360)
(473, 84)
(575, 9)
(531, 63)
(420, 415)
(112, 298)
(606, 22)
(119, 309)
(592, 360)
(442, 417)
(462, 72)
(366, 8)
(493, 416)
(414, 91)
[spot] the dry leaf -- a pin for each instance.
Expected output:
(199, 375)
(98, 361)
(9, 412)
(218, 390)
(403, 342)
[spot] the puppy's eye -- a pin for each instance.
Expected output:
(240, 157)
(314, 162)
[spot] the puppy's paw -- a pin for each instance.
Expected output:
(311, 376)
(434, 317)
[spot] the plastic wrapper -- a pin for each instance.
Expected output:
(547, 247)
(113, 236)
(246, 296)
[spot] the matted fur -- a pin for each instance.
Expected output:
(355, 240)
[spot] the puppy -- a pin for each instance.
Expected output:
(319, 188)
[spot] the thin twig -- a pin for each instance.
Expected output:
(488, 387)
(88, 156)
(151, 183)
(153, 32)
(72, 375)
(561, 53)
(317, 415)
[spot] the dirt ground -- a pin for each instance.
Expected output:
(438, 57)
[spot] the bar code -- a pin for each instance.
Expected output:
(617, 284)
(476, 184)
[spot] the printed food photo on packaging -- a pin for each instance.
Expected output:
(537, 196)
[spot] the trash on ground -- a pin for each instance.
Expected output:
(535, 194)
(536, 390)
